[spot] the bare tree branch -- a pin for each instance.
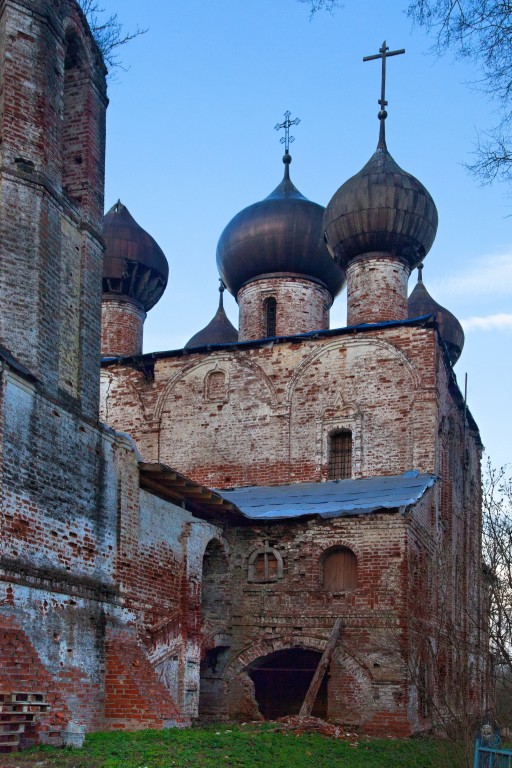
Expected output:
(107, 31)
(322, 5)
(480, 31)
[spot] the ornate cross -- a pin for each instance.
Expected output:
(287, 139)
(383, 54)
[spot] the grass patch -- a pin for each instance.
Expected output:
(251, 746)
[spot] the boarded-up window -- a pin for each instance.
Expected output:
(265, 564)
(269, 316)
(340, 455)
(340, 570)
(216, 389)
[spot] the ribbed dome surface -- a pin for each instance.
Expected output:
(219, 330)
(280, 234)
(381, 209)
(134, 265)
(420, 303)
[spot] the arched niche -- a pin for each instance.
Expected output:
(215, 602)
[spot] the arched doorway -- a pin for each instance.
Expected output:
(215, 607)
(281, 681)
(213, 688)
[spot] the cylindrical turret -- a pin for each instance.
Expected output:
(135, 273)
(272, 258)
(378, 226)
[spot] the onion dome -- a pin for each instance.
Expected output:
(219, 330)
(382, 209)
(134, 265)
(280, 235)
(420, 303)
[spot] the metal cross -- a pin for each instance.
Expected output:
(287, 139)
(383, 54)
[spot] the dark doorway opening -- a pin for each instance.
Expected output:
(281, 681)
(212, 691)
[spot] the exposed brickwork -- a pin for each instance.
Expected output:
(376, 289)
(51, 203)
(120, 605)
(135, 698)
(282, 402)
(122, 324)
(301, 306)
(22, 670)
(389, 386)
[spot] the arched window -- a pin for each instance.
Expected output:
(339, 570)
(265, 564)
(340, 455)
(269, 316)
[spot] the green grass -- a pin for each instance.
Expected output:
(234, 746)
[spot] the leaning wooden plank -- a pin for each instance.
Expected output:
(320, 671)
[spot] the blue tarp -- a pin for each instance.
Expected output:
(335, 498)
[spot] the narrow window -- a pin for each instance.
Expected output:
(340, 455)
(269, 314)
(339, 572)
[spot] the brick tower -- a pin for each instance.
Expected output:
(53, 103)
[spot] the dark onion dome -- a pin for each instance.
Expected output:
(220, 330)
(382, 209)
(134, 265)
(420, 303)
(281, 234)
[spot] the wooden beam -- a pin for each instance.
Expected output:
(320, 671)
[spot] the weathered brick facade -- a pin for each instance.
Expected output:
(265, 419)
(131, 595)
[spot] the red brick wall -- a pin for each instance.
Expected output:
(122, 325)
(376, 289)
(51, 240)
(301, 306)
(134, 697)
(281, 402)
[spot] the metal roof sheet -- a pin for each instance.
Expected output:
(335, 498)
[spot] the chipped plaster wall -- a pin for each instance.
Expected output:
(271, 421)
(162, 584)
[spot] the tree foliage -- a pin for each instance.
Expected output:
(107, 31)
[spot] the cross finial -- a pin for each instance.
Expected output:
(383, 54)
(287, 139)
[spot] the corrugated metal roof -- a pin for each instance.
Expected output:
(335, 498)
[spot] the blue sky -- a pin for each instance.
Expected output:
(191, 142)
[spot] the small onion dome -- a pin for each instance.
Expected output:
(281, 234)
(134, 265)
(218, 331)
(381, 209)
(421, 303)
